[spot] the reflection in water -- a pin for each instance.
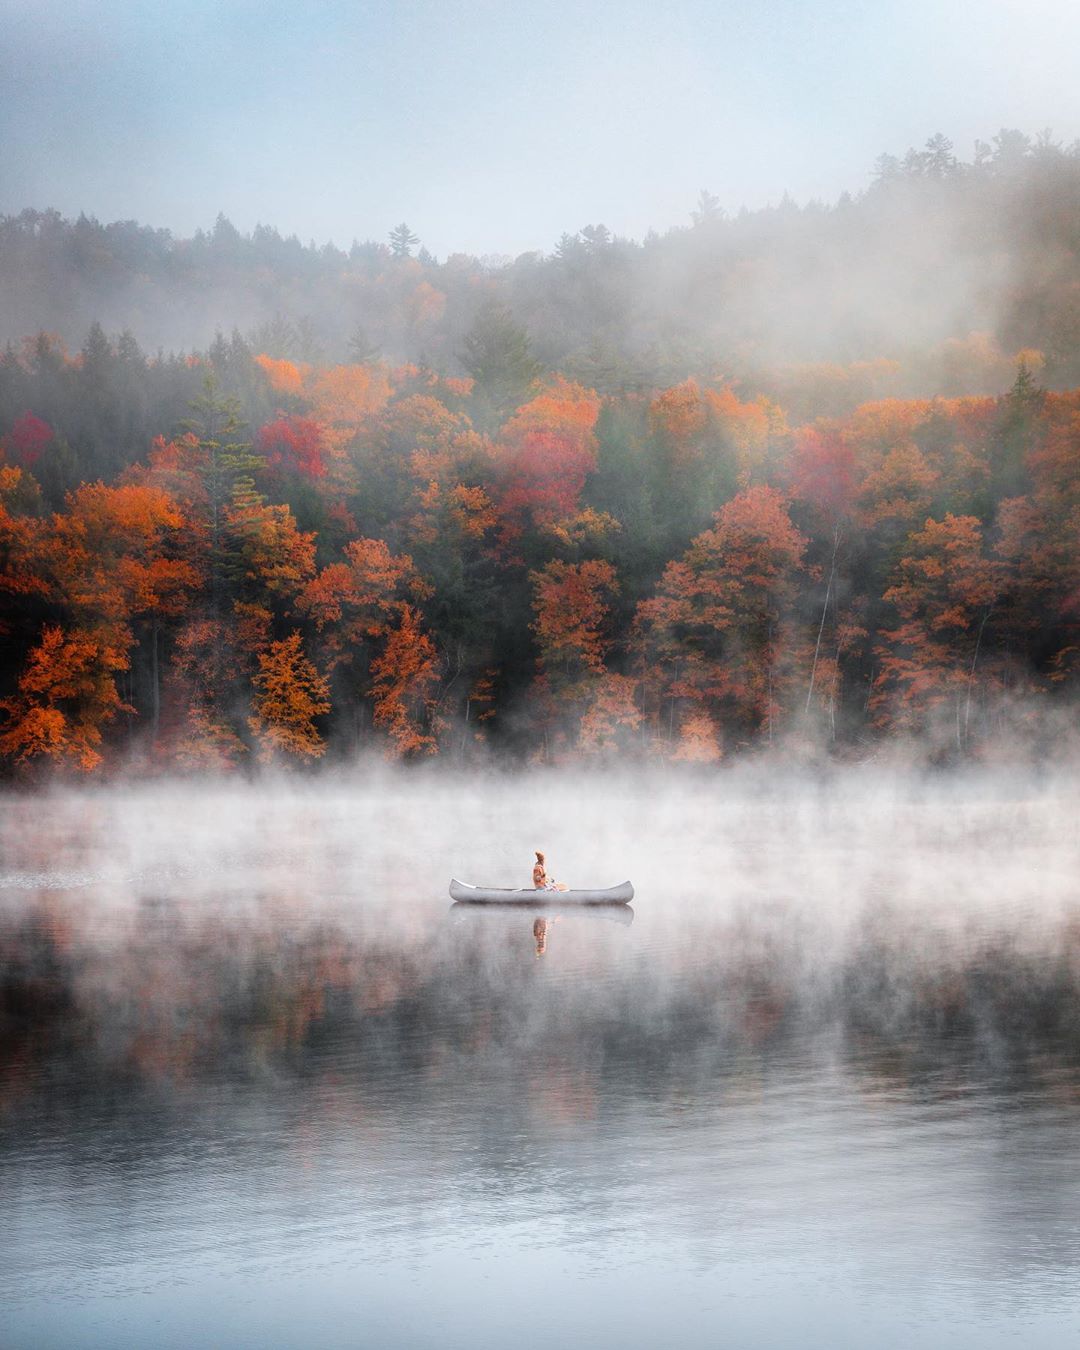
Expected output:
(240, 1106)
(543, 922)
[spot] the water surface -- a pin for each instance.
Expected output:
(261, 1084)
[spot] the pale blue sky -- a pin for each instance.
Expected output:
(493, 127)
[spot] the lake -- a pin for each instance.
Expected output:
(262, 1085)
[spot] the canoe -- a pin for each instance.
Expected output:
(465, 894)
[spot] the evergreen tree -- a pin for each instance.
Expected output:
(497, 355)
(362, 350)
(228, 465)
(1014, 435)
(402, 241)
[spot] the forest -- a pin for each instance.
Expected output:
(805, 478)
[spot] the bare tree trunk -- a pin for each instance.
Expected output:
(824, 612)
(155, 664)
(836, 691)
(769, 687)
(971, 675)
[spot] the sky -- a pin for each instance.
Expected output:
(494, 127)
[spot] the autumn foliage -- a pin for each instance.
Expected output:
(322, 559)
(290, 695)
(716, 638)
(27, 439)
(293, 445)
(547, 451)
(944, 591)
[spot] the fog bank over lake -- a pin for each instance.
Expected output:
(819, 1086)
(935, 848)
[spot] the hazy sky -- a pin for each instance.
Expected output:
(492, 126)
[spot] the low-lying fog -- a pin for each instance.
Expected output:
(824, 1074)
(935, 852)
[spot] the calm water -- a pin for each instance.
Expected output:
(261, 1085)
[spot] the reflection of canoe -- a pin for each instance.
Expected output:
(617, 913)
(465, 894)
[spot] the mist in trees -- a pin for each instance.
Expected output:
(582, 506)
(925, 283)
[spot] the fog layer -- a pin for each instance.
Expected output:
(254, 1066)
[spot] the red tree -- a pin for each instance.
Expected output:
(546, 451)
(292, 445)
(29, 436)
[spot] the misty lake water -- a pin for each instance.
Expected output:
(262, 1085)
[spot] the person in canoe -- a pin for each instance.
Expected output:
(541, 880)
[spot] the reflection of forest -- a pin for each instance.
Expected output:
(168, 999)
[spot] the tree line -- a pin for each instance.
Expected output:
(220, 559)
(923, 283)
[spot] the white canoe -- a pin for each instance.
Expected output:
(465, 894)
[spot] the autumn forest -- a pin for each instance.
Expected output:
(612, 501)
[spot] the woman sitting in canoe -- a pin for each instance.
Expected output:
(541, 880)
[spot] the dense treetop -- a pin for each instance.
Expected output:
(619, 501)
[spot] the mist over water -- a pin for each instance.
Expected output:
(262, 1084)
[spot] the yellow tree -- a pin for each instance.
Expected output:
(269, 559)
(290, 695)
(406, 677)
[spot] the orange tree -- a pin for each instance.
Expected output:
(717, 636)
(944, 590)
